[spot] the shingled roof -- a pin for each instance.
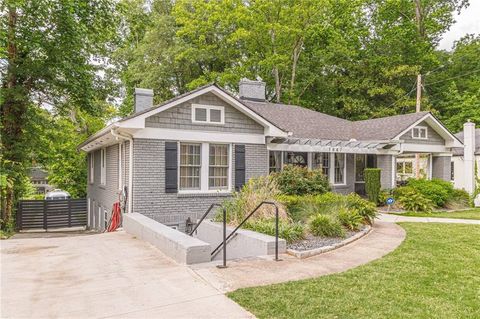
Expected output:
(457, 151)
(305, 123)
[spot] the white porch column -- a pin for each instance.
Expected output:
(469, 155)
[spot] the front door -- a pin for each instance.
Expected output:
(362, 161)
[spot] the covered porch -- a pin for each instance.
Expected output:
(343, 162)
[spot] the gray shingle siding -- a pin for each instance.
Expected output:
(433, 137)
(149, 197)
(180, 117)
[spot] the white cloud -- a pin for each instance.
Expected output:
(467, 22)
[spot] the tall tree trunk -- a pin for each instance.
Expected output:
(13, 109)
(276, 75)
(295, 56)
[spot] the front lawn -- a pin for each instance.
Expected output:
(465, 214)
(433, 274)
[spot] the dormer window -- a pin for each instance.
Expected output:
(208, 114)
(419, 132)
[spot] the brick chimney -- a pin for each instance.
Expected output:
(252, 90)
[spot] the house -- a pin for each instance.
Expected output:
(466, 161)
(177, 158)
(39, 178)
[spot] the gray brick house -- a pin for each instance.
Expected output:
(177, 158)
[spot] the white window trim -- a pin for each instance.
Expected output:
(420, 128)
(204, 170)
(103, 166)
(332, 169)
(208, 108)
(92, 168)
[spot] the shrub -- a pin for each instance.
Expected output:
(289, 231)
(402, 191)
(328, 203)
(350, 218)
(296, 180)
(326, 226)
(372, 183)
(459, 199)
(249, 197)
(437, 190)
(291, 203)
(367, 210)
(415, 201)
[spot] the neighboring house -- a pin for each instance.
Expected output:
(466, 161)
(39, 179)
(197, 148)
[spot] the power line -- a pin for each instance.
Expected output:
(453, 77)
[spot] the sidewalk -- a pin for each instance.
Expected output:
(384, 238)
(390, 218)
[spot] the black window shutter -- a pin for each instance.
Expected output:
(239, 166)
(171, 167)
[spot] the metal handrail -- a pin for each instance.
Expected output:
(203, 217)
(226, 238)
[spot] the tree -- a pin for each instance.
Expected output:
(54, 50)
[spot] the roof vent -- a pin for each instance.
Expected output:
(142, 99)
(252, 90)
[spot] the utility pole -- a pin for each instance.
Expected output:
(417, 109)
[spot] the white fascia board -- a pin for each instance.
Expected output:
(450, 139)
(328, 149)
(198, 136)
(421, 148)
(270, 129)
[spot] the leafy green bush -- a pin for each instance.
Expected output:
(384, 195)
(367, 210)
(287, 230)
(372, 183)
(350, 218)
(437, 190)
(296, 180)
(459, 199)
(412, 200)
(326, 226)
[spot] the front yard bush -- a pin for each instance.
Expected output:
(326, 226)
(372, 183)
(290, 231)
(296, 180)
(436, 190)
(414, 201)
(367, 210)
(459, 199)
(350, 219)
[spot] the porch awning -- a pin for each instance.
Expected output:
(322, 145)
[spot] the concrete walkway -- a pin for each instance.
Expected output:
(390, 218)
(102, 276)
(384, 238)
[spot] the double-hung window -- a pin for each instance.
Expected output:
(321, 161)
(218, 166)
(103, 166)
(420, 132)
(190, 166)
(339, 171)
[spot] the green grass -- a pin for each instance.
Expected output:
(435, 273)
(466, 214)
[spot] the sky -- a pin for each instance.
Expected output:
(467, 22)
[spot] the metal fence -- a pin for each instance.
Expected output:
(38, 214)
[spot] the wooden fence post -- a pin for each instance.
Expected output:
(45, 222)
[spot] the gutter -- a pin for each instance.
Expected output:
(129, 138)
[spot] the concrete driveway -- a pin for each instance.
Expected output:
(101, 276)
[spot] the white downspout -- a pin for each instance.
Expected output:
(129, 138)
(469, 155)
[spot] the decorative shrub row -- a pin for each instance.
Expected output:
(372, 183)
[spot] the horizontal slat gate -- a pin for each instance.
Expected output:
(35, 214)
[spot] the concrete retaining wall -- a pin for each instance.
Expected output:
(173, 243)
(245, 244)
